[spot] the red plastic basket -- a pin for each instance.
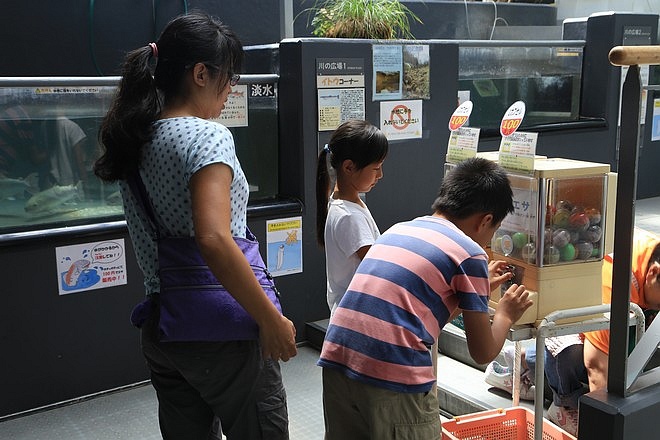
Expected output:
(515, 423)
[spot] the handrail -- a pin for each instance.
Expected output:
(634, 55)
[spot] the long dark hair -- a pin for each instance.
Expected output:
(185, 41)
(356, 140)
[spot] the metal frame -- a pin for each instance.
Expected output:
(596, 319)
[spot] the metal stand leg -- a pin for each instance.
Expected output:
(539, 377)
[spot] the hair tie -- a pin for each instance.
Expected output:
(154, 50)
(326, 148)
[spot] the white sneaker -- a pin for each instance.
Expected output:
(502, 377)
(565, 418)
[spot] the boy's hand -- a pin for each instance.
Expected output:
(514, 302)
(498, 273)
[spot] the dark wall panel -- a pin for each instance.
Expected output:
(59, 347)
(88, 38)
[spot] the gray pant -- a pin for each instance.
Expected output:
(198, 381)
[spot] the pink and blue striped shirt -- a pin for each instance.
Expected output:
(401, 296)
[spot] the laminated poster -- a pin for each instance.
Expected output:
(91, 266)
(235, 113)
(340, 91)
(517, 151)
(284, 246)
(388, 72)
(655, 128)
(401, 119)
(416, 72)
(339, 105)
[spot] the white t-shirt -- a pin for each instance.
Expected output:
(67, 134)
(349, 227)
(179, 148)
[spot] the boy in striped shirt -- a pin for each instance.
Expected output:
(377, 362)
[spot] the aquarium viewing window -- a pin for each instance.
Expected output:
(49, 142)
(547, 76)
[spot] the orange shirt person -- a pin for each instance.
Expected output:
(644, 291)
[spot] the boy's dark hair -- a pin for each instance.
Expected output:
(476, 185)
(355, 139)
(655, 257)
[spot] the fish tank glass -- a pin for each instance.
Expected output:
(546, 76)
(49, 143)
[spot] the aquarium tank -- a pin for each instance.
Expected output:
(546, 76)
(49, 142)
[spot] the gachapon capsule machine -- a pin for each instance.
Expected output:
(555, 239)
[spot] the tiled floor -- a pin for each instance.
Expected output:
(131, 413)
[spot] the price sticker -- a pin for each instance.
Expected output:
(512, 118)
(460, 116)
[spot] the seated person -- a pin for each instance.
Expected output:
(644, 291)
(572, 367)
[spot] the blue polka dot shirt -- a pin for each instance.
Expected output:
(179, 148)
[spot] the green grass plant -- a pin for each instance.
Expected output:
(372, 19)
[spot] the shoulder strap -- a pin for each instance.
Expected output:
(139, 191)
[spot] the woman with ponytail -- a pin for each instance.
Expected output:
(157, 133)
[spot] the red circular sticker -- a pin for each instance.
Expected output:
(512, 118)
(460, 116)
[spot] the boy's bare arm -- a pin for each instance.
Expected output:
(485, 340)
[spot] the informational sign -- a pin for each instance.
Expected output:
(284, 246)
(340, 88)
(339, 105)
(68, 90)
(463, 143)
(388, 71)
(339, 72)
(91, 266)
(655, 127)
(517, 151)
(235, 113)
(523, 217)
(401, 119)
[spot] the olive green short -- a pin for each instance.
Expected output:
(354, 411)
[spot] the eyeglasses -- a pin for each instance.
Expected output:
(233, 80)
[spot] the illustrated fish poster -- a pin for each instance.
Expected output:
(235, 112)
(284, 246)
(90, 266)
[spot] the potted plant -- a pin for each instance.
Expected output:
(374, 19)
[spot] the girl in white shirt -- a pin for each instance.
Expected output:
(344, 225)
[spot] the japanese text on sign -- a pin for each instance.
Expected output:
(262, 90)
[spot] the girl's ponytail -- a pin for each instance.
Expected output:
(322, 194)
